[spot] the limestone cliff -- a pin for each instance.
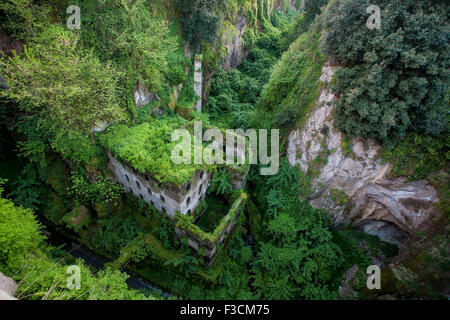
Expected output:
(350, 182)
(8, 288)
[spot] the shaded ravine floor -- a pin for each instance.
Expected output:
(98, 262)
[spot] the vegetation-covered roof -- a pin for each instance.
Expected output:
(148, 146)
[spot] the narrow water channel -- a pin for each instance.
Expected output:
(94, 260)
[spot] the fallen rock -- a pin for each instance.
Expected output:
(8, 288)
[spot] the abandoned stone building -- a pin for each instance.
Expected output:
(168, 198)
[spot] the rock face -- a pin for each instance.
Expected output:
(164, 197)
(100, 126)
(198, 82)
(142, 95)
(234, 43)
(350, 182)
(7, 288)
(8, 44)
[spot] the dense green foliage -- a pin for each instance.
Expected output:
(100, 191)
(19, 232)
(293, 87)
(54, 79)
(68, 81)
(416, 156)
(395, 78)
(221, 182)
(131, 34)
(234, 95)
(19, 17)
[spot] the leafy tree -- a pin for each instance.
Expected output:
(23, 255)
(54, 79)
(299, 259)
(131, 35)
(394, 78)
(114, 233)
(101, 190)
(221, 183)
(144, 42)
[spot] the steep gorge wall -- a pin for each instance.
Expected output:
(351, 182)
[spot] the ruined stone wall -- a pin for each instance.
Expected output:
(166, 198)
